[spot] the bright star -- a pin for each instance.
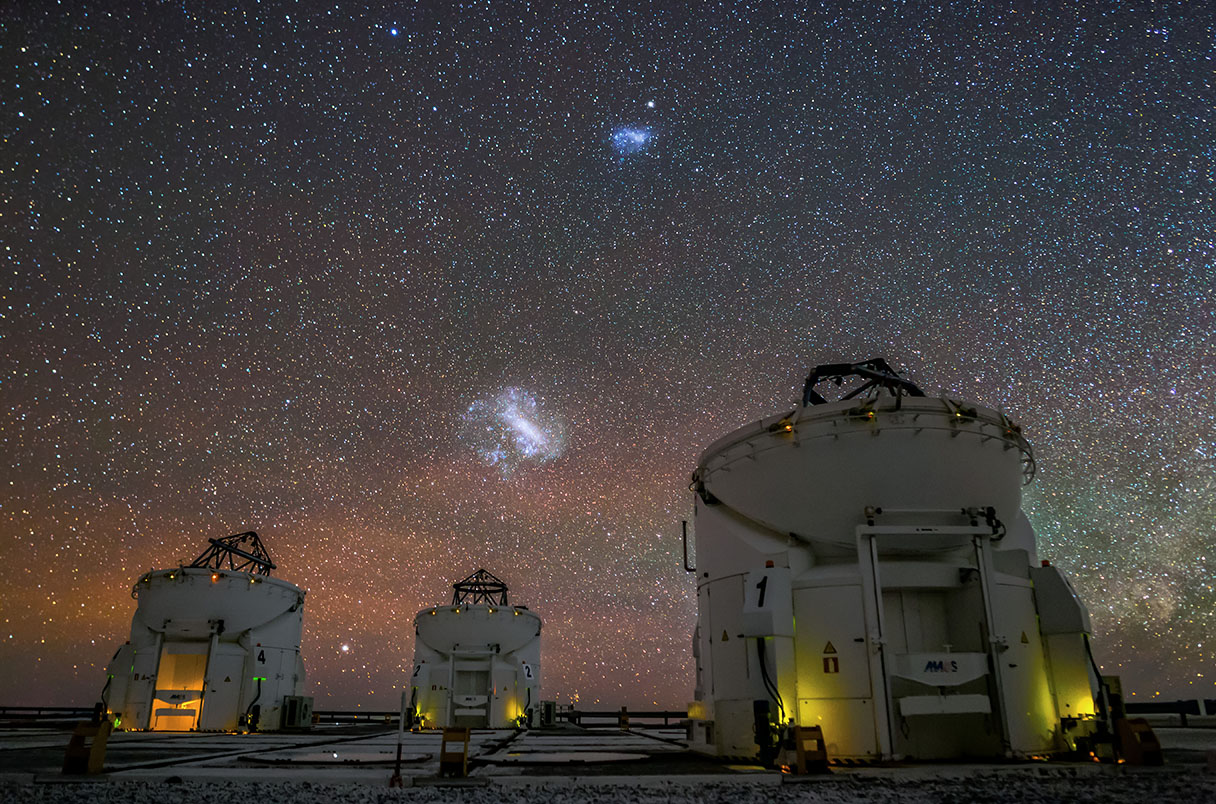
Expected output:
(392, 31)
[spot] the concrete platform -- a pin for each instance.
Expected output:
(298, 766)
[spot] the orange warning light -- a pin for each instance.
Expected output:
(215, 576)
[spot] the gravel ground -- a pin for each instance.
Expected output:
(1135, 788)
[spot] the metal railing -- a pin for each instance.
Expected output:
(355, 716)
(44, 713)
(1197, 707)
(577, 716)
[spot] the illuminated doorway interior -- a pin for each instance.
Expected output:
(179, 687)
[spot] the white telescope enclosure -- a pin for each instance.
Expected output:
(477, 660)
(215, 646)
(864, 565)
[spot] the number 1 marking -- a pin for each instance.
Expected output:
(763, 587)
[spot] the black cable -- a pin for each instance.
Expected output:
(249, 708)
(105, 694)
(768, 683)
(1103, 689)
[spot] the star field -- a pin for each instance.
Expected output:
(261, 259)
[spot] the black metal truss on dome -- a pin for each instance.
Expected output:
(241, 552)
(875, 371)
(480, 588)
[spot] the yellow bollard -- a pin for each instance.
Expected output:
(87, 749)
(454, 761)
(811, 750)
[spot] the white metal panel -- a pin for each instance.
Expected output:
(925, 618)
(1034, 721)
(1071, 679)
(911, 705)
(830, 645)
(728, 648)
(848, 725)
(221, 704)
(1060, 608)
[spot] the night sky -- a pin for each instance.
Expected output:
(411, 291)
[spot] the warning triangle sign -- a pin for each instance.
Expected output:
(228, 679)
(1025, 641)
(829, 648)
(725, 638)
